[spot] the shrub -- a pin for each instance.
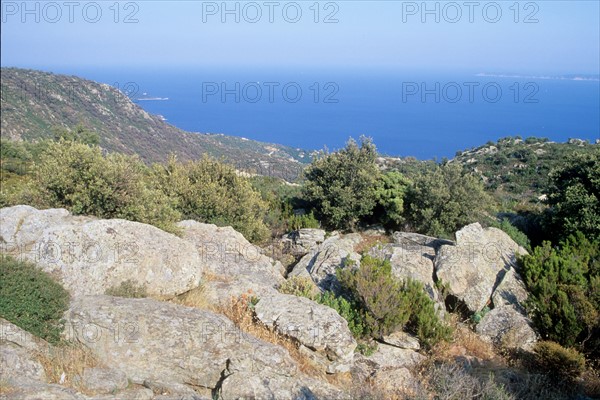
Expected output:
(563, 283)
(444, 200)
(78, 177)
(300, 286)
(515, 233)
(128, 289)
(558, 361)
(30, 299)
(342, 185)
(210, 191)
(389, 194)
(451, 381)
(379, 294)
(296, 222)
(387, 305)
(348, 310)
(574, 197)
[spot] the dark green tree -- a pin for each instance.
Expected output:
(446, 199)
(563, 283)
(574, 196)
(342, 185)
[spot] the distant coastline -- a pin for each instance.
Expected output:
(152, 99)
(582, 77)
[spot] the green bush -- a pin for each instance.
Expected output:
(300, 286)
(348, 310)
(31, 299)
(558, 361)
(563, 286)
(128, 289)
(387, 304)
(574, 197)
(210, 191)
(389, 194)
(78, 177)
(444, 200)
(515, 234)
(342, 185)
(296, 222)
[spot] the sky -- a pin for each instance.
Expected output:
(542, 37)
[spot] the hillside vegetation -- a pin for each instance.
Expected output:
(34, 103)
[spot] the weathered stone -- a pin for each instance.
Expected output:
(416, 239)
(18, 349)
(316, 326)
(410, 261)
(256, 386)
(232, 264)
(395, 381)
(508, 328)
(133, 393)
(511, 291)
(322, 262)
(9, 332)
(391, 357)
(402, 340)
(35, 390)
(17, 363)
(300, 242)
(477, 264)
(104, 380)
(89, 256)
(166, 343)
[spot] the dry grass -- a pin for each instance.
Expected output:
(6, 388)
(465, 343)
(70, 359)
(197, 297)
(239, 310)
(370, 241)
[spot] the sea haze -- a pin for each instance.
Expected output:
(459, 110)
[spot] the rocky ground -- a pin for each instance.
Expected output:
(160, 348)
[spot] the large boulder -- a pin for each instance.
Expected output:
(411, 257)
(507, 327)
(89, 255)
(315, 326)
(160, 344)
(321, 263)
(232, 265)
(21, 372)
(300, 242)
(389, 368)
(18, 349)
(477, 264)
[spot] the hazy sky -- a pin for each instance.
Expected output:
(503, 36)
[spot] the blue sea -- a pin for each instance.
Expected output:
(407, 113)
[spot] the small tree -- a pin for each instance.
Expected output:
(342, 185)
(446, 199)
(563, 282)
(389, 194)
(78, 177)
(210, 191)
(574, 197)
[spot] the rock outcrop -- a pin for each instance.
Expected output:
(321, 263)
(474, 267)
(301, 242)
(411, 256)
(231, 264)
(159, 344)
(317, 327)
(89, 256)
(508, 328)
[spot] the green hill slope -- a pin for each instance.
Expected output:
(35, 102)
